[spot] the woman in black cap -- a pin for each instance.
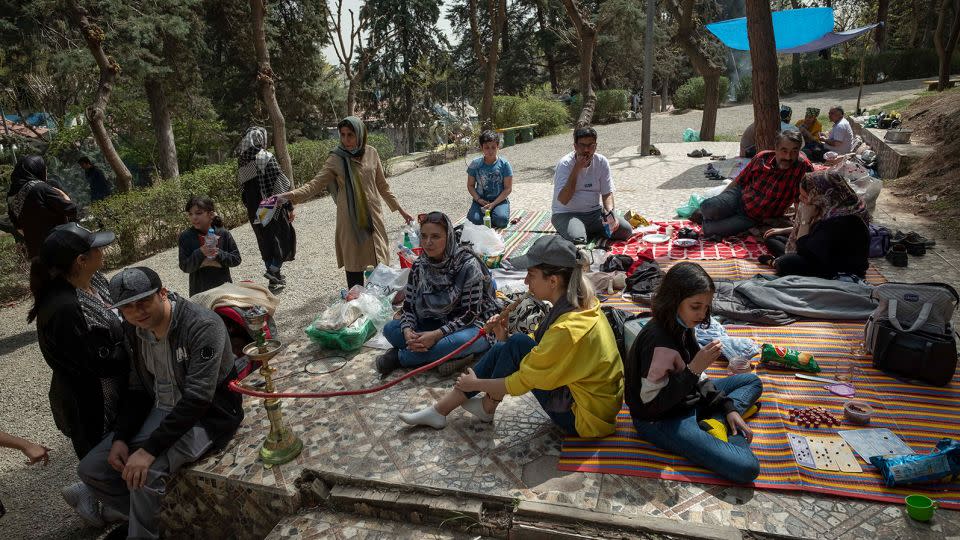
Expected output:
(35, 206)
(82, 342)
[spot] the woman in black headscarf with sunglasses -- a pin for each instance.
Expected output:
(35, 207)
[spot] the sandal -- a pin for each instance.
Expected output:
(695, 153)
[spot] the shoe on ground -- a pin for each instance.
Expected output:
(704, 152)
(695, 153)
(387, 362)
(917, 239)
(915, 248)
(456, 365)
(82, 500)
(897, 255)
(273, 277)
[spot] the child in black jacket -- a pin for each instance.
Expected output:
(208, 267)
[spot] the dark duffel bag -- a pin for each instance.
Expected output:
(925, 356)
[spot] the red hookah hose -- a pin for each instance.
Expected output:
(235, 385)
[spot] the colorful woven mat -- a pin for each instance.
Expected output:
(734, 247)
(524, 220)
(920, 415)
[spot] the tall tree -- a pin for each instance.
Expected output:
(763, 56)
(586, 31)
(497, 15)
(353, 54)
(93, 35)
(265, 82)
(880, 34)
(547, 40)
(705, 57)
(948, 24)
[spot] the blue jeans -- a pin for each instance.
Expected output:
(724, 215)
(503, 359)
(441, 348)
(499, 214)
(682, 435)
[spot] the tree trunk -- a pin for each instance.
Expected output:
(352, 84)
(587, 34)
(268, 91)
(96, 112)
(711, 102)
(498, 14)
(163, 129)
(763, 56)
(945, 50)
(548, 51)
(663, 94)
(927, 27)
(683, 11)
(880, 34)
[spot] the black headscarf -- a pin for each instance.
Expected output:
(27, 169)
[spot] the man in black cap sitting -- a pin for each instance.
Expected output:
(177, 406)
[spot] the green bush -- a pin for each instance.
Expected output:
(610, 104)
(550, 115)
(691, 94)
(743, 91)
(509, 111)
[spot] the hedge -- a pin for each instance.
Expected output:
(611, 104)
(692, 94)
(550, 116)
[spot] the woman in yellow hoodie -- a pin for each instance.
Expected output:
(571, 363)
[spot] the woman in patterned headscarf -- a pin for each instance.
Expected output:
(830, 235)
(353, 174)
(260, 178)
(34, 205)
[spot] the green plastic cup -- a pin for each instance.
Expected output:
(920, 508)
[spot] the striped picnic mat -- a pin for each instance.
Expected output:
(524, 220)
(920, 415)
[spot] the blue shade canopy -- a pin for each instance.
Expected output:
(791, 28)
(829, 40)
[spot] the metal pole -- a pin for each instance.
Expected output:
(647, 79)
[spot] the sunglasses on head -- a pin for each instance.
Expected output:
(430, 217)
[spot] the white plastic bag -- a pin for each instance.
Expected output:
(388, 279)
(485, 240)
(716, 190)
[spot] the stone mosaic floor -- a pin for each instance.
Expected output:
(332, 525)
(516, 455)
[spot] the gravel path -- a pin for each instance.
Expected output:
(31, 495)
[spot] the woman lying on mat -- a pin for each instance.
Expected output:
(448, 296)
(668, 396)
(571, 364)
(830, 236)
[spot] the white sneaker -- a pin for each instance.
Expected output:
(82, 500)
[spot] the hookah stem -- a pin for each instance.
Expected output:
(235, 385)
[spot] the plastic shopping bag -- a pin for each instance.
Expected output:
(485, 240)
(693, 204)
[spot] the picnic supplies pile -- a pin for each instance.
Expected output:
(350, 322)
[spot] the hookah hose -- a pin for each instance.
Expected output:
(236, 386)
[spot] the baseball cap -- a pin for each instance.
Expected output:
(68, 241)
(132, 284)
(552, 250)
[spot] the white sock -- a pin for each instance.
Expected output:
(428, 416)
(474, 406)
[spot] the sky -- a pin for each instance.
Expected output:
(328, 51)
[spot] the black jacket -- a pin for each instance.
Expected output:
(203, 278)
(43, 209)
(684, 390)
(836, 246)
(203, 365)
(81, 358)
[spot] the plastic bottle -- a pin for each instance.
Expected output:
(487, 220)
(367, 271)
(210, 240)
(414, 236)
(406, 240)
(670, 231)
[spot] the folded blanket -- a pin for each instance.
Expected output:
(244, 294)
(780, 301)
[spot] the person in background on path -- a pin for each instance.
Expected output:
(571, 364)
(176, 407)
(830, 235)
(490, 182)
(81, 340)
(840, 139)
(667, 392)
(100, 188)
(260, 178)
(766, 187)
(208, 266)
(448, 297)
(34, 205)
(353, 174)
(583, 193)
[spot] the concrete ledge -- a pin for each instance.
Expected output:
(650, 525)
(893, 160)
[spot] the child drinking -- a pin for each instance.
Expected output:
(208, 266)
(490, 181)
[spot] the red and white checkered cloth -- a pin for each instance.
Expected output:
(735, 247)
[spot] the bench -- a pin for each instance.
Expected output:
(512, 135)
(932, 85)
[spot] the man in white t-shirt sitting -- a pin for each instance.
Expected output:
(840, 139)
(583, 194)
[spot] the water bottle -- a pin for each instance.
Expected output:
(210, 241)
(406, 241)
(487, 220)
(367, 271)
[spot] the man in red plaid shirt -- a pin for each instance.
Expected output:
(768, 185)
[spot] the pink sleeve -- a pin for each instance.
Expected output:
(665, 361)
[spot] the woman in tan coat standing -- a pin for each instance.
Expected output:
(354, 176)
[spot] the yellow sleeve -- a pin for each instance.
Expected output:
(551, 364)
(327, 175)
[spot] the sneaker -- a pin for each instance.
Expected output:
(704, 152)
(456, 365)
(82, 500)
(915, 247)
(898, 255)
(273, 277)
(387, 362)
(695, 153)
